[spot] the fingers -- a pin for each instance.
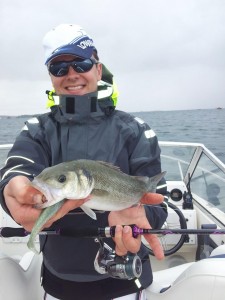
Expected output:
(20, 189)
(23, 214)
(155, 245)
(152, 198)
(125, 241)
(120, 248)
(33, 196)
(123, 236)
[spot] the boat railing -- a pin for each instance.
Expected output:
(6, 146)
(185, 155)
(191, 163)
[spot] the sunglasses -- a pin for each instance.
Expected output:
(61, 68)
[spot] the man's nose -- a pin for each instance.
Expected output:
(72, 72)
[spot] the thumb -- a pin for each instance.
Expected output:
(19, 188)
(152, 198)
(33, 196)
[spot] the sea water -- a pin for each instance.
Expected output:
(206, 126)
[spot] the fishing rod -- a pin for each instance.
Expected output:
(105, 232)
(106, 260)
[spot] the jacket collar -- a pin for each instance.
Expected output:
(78, 108)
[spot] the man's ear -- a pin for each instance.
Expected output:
(99, 70)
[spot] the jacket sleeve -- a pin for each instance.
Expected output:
(145, 161)
(27, 157)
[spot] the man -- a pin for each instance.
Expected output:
(84, 124)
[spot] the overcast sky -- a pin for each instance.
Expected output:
(164, 54)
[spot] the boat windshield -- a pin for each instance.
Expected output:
(195, 164)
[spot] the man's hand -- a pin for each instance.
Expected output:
(20, 200)
(135, 215)
(21, 197)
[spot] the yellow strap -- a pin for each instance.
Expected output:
(115, 93)
(50, 101)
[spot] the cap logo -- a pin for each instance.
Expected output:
(85, 44)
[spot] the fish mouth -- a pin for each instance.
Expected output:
(46, 197)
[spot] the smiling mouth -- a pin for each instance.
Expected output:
(74, 88)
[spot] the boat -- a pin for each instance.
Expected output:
(193, 236)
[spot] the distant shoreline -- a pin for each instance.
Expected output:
(19, 116)
(151, 111)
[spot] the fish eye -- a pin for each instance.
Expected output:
(62, 178)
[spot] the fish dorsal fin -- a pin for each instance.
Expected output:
(89, 212)
(109, 165)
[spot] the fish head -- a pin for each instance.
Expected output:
(56, 184)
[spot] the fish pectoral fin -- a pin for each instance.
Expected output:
(89, 212)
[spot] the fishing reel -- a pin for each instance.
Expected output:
(120, 267)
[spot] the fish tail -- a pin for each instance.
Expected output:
(153, 182)
(45, 215)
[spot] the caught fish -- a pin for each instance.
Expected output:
(110, 189)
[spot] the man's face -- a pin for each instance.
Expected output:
(76, 83)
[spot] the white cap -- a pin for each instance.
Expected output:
(67, 39)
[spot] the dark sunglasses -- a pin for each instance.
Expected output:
(61, 68)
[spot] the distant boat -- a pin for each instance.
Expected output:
(219, 107)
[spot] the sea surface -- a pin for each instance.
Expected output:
(206, 126)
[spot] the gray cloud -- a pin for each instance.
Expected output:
(165, 54)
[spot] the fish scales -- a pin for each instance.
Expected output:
(110, 188)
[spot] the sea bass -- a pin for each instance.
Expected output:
(109, 187)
